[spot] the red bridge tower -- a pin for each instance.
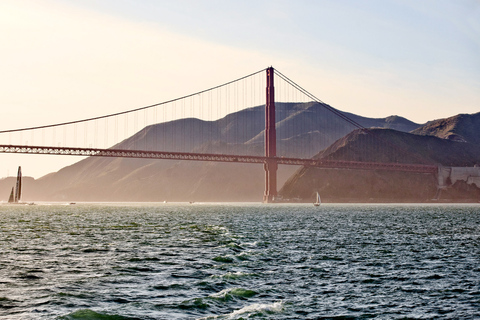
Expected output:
(270, 142)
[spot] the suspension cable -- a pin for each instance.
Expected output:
(351, 121)
(327, 106)
(133, 110)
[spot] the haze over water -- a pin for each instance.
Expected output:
(239, 261)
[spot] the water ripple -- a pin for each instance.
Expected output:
(239, 262)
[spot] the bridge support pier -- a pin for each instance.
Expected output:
(270, 181)
(270, 142)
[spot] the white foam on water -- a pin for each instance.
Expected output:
(255, 308)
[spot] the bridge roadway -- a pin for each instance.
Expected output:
(333, 164)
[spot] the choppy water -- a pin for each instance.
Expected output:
(204, 261)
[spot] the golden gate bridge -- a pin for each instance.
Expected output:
(190, 130)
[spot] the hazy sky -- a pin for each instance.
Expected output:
(65, 60)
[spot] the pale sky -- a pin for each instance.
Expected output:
(63, 60)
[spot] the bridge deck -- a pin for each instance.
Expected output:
(321, 163)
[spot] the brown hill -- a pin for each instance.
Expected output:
(386, 145)
(382, 145)
(462, 127)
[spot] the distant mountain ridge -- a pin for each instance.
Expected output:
(316, 123)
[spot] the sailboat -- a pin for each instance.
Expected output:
(11, 199)
(317, 200)
(16, 193)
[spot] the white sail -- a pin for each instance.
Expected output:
(317, 200)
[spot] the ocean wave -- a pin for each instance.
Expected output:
(259, 309)
(234, 275)
(87, 314)
(231, 293)
(224, 259)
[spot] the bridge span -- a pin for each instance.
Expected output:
(120, 153)
(273, 122)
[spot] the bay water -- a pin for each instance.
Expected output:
(239, 261)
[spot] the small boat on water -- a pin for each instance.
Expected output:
(318, 201)
(11, 199)
(16, 194)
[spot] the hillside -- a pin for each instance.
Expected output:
(462, 127)
(386, 145)
(382, 145)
